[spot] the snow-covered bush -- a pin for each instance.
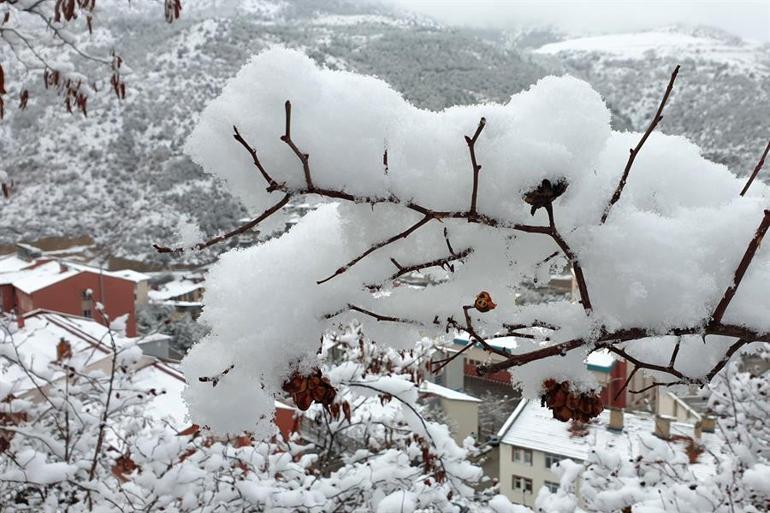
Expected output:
(664, 245)
(76, 435)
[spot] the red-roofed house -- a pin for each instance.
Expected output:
(74, 289)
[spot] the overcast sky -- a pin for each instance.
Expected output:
(749, 19)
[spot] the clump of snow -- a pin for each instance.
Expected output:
(187, 232)
(663, 259)
(400, 501)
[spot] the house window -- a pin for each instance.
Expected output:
(87, 313)
(552, 487)
(523, 456)
(550, 459)
(522, 483)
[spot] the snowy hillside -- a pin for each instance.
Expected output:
(703, 45)
(120, 176)
(721, 100)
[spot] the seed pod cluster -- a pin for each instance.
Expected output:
(305, 389)
(123, 467)
(567, 404)
(431, 463)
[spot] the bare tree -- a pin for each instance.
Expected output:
(48, 38)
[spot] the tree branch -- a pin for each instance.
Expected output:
(471, 141)
(241, 229)
(438, 262)
(756, 170)
(741, 270)
(377, 246)
(303, 157)
(272, 184)
(635, 151)
(376, 316)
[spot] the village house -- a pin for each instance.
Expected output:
(461, 410)
(184, 295)
(532, 441)
(71, 288)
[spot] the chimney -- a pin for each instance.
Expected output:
(616, 419)
(708, 424)
(663, 426)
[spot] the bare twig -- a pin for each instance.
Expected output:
(272, 184)
(741, 270)
(374, 315)
(585, 300)
(538, 354)
(214, 380)
(438, 262)
(375, 247)
(471, 141)
(635, 151)
(440, 364)
(241, 229)
(756, 170)
(626, 382)
(303, 157)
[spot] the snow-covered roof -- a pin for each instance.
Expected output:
(123, 274)
(90, 343)
(174, 289)
(426, 387)
(601, 360)
(40, 277)
(503, 343)
(12, 263)
(532, 426)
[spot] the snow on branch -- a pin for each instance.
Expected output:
(654, 280)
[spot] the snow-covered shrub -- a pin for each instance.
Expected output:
(78, 437)
(658, 256)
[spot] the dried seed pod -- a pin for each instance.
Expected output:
(303, 401)
(346, 410)
(63, 350)
(305, 389)
(484, 302)
(563, 413)
(545, 194)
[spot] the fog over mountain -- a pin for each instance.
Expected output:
(119, 175)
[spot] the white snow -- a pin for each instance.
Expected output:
(11, 263)
(663, 259)
(533, 427)
(173, 289)
(661, 43)
(428, 387)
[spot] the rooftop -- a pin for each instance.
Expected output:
(123, 274)
(533, 427)
(426, 387)
(31, 280)
(173, 289)
(12, 263)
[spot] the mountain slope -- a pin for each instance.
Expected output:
(120, 175)
(721, 100)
